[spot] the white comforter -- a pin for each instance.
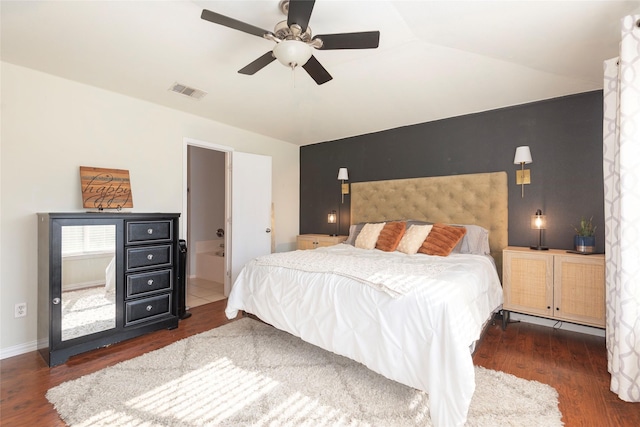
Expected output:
(420, 338)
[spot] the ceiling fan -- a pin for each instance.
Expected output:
(294, 41)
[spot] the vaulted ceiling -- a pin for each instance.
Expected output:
(436, 59)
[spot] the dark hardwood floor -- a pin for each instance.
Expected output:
(575, 364)
(26, 378)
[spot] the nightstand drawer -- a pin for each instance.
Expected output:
(313, 241)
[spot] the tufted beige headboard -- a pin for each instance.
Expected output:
(480, 199)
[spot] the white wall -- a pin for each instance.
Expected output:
(51, 126)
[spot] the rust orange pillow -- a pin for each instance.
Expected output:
(390, 236)
(442, 239)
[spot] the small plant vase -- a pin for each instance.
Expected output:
(586, 244)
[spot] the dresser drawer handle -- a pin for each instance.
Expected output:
(149, 307)
(149, 230)
(150, 257)
(150, 282)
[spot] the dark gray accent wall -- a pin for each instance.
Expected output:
(565, 136)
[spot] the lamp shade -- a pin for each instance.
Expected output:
(343, 174)
(292, 53)
(523, 155)
(332, 217)
(538, 221)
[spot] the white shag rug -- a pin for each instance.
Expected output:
(246, 373)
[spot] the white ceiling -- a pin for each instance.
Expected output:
(436, 59)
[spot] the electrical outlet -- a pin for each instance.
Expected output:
(21, 309)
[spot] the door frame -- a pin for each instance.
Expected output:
(186, 142)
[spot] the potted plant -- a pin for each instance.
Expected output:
(585, 239)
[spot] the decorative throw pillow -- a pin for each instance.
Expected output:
(390, 236)
(413, 238)
(369, 235)
(442, 239)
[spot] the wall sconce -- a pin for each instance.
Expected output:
(539, 222)
(343, 175)
(332, 218)
(523, 176)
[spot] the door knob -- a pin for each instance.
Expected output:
(268, 230)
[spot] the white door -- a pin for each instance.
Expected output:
(250, 209)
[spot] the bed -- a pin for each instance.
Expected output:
(417, 318)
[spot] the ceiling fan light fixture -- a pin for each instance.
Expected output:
(292, 53)
(294, 40)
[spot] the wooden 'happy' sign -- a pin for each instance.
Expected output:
(105, 188)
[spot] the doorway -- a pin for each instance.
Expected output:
(206, 225)
(251, 216)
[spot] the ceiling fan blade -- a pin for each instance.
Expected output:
(300, 13)
(363, 40)
(258, 64)
(216, 18)
(317, 71)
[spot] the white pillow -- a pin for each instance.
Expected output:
(475, 241)
(369, 235)
(354, 230)
(413, 238)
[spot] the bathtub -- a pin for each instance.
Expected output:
(210, 263)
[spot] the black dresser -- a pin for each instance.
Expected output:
(105, 278)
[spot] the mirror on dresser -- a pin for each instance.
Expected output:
(88, 279)
(104, 278)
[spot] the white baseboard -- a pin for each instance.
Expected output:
(19, 349)
(557, 324)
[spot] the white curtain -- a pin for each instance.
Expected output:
(621, 148)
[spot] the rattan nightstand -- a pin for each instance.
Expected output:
(554, 284)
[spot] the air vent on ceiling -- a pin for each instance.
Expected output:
(187, 91)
